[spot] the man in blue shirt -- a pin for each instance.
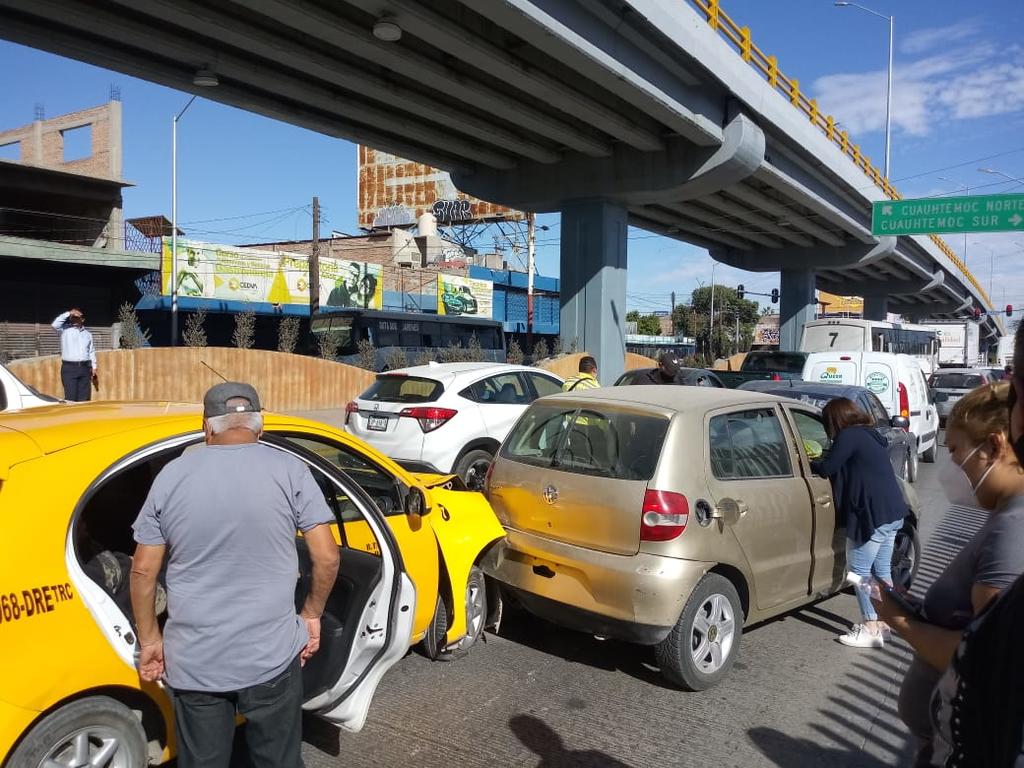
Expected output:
(77, 355)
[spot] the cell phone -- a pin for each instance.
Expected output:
(901, 600)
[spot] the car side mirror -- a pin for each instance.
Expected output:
(416, 503)
(900, 422)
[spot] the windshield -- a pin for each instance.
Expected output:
(786, 362)
(391, 388)
(957, 380)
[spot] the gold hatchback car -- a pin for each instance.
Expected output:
(671, 516)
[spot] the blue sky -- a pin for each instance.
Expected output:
(958, 106)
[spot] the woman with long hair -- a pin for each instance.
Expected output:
(982, 471)
(870, 503)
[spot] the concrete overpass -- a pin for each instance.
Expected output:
(662, 114)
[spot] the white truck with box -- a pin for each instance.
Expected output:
(959, 343)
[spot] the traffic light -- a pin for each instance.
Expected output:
(1009, 310)
(775, 295)
(739, 291)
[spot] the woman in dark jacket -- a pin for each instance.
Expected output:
(869, 501)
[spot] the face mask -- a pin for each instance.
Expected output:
(955, 483)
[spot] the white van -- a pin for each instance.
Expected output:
(897, 380)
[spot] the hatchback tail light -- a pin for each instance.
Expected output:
(664, 516)
(904, 401)
(487, 478)
(352, 407)
(430, 418)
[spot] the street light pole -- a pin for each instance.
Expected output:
(174, 223)
(888, 88)
(994, 172)
(711, 321)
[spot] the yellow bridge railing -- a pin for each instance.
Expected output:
(739, 37)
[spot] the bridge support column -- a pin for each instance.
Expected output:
(876, 307)
(798, 305)
(593, 282)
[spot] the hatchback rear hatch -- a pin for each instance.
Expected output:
(952, 386)
(577, 472)
(395, 412)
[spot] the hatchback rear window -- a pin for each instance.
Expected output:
(389, 388)
(957, 381)
(617, 444)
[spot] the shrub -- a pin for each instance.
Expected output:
(133, 335)
(395, 358)
(540, 351)
(288, 334)
(195, 332)
(514, 353)
(366, 355)
(244, 335)
(327, 345)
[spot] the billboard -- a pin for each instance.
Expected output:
(766, 332)
(210, 271)
(836, 305)
(458, 295)
(393, 191)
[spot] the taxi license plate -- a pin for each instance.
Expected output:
(377, 423)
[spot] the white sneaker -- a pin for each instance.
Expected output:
(860, 637)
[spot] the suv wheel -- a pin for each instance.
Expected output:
(472, 468)
(702, 646)
(96, 730)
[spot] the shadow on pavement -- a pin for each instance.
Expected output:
(789, 752)
(544, 741)
(524, 628)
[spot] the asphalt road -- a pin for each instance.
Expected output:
(539, 696)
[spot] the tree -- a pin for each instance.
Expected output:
(244, 335)
(288, 334)
(195, 332)
(133, 335)
(514, 353)
(730, 311)
(648, 325)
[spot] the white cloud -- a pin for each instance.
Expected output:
(969, 81)
(921, 40)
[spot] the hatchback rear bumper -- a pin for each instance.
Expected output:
(630, 597)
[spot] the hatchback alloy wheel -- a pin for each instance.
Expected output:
(712, 634)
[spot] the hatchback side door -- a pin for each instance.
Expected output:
(751, 477)
(828, 536)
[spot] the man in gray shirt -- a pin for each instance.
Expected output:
(225, 516)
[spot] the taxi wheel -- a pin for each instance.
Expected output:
(434, 641)
(476, 609)
(95, 731)
(701, 648)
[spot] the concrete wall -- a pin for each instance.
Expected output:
(568, 366)
(285, 382)
(42, 142)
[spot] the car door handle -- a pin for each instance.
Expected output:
(824, 501)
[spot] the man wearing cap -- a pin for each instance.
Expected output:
(225, 517)
(77, 355)
(665, 373)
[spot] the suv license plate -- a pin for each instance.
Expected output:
(377, 423)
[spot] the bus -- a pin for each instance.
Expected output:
(418, 335)
(845, 335)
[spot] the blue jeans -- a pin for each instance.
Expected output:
(874, 555)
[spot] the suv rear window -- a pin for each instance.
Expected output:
(389, 388)
(619, 444)
(957, 381)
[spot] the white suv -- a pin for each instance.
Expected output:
(446, 417)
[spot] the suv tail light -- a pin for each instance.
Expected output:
(776, 377)
(350, 408)
(904, 401)
(664, 516)
(430, 418)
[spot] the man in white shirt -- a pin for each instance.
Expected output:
(77, 355)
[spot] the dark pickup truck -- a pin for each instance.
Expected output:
(768, 365)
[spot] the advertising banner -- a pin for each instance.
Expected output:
(766, 332)
(211, 271)
(393, 191)
(464, 296)
(836, 305)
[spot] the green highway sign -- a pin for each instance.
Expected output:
(938, 215)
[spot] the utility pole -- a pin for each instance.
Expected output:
(531, 255)
(711, 324)
(314, 263)
(673, 313)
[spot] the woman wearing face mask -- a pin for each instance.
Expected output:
(869, 502)
(980, 471)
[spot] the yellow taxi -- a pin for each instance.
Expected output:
(72, 480)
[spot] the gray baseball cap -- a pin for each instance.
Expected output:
(215, 403)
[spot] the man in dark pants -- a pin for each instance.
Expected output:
(226, 515)
(77, 355)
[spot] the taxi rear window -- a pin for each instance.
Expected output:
(623, 445)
